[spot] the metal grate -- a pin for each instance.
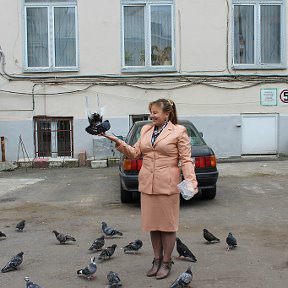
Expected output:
(53, 136)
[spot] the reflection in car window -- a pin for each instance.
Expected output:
(136, 135)
(194, 138)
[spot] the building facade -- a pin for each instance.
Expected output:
(223, 62)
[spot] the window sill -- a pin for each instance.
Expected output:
(259, 67)
(149, 69)
(49, 70)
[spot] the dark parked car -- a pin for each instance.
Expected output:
(203, 156)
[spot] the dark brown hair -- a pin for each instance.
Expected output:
(167, 105)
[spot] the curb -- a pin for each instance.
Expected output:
(252, 159)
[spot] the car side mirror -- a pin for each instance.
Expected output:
(201, 133)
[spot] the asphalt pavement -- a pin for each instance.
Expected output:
(251, 202)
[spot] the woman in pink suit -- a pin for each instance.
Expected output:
(162, 144)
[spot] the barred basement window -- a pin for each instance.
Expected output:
(53, 137)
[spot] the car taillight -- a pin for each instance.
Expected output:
(205, 161)
(132, 165)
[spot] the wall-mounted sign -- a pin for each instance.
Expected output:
(268, 97)
(283, 97)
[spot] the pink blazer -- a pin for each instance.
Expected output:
(160, 172)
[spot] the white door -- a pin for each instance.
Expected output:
(259, 134)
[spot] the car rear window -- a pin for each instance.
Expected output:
(195, 138)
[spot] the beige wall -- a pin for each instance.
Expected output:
(201, 34)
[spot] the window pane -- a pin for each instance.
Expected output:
(270, 34)
(161, 35)
(65, 37)
(134, 34)
(37, 37)
(244, 34)
(44, 137)
(63, 138)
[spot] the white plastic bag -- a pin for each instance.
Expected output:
(186, 189)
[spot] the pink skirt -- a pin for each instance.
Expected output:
(160, 212)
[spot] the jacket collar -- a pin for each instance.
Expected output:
(167, 130)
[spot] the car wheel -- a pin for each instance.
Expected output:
(209, 193)
(126, 196)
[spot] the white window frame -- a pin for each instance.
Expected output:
(257, 28)
(147, 27)
(51, 39)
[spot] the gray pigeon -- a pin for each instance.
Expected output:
(21, 225)
(183, 279)
(97, 244)
(30, 284)
(107, 253)
(133, 247)
(184, 251)
(62, 238)
(13, 263)
(2, 234)
(231, 241)
(89, 270)
(109, 231)
(113, 280)
(209, 237)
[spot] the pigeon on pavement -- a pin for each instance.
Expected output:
(89, 270)
(30, 284)
(21, 225)
(98, 244)
(209, 237)
(183, 279)
(107, 252)
(184, 251)
(113, 280)
(2, 234)
(62, 238)
(133, 247)
(231, 241)
(13, 263)
(109, 231)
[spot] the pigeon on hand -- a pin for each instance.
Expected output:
(133, 247)
(231, 241)
(113, 280)
(96, 125)
(2, 234)
(210, 237)
(184, 251)
(89, 270)
(97, 244)
(183, 279)
(21, 225)
(62, 238)
(109, 231)
(13, 263)
(30, 284)
(107, 253)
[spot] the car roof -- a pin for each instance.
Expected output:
(143, 122)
